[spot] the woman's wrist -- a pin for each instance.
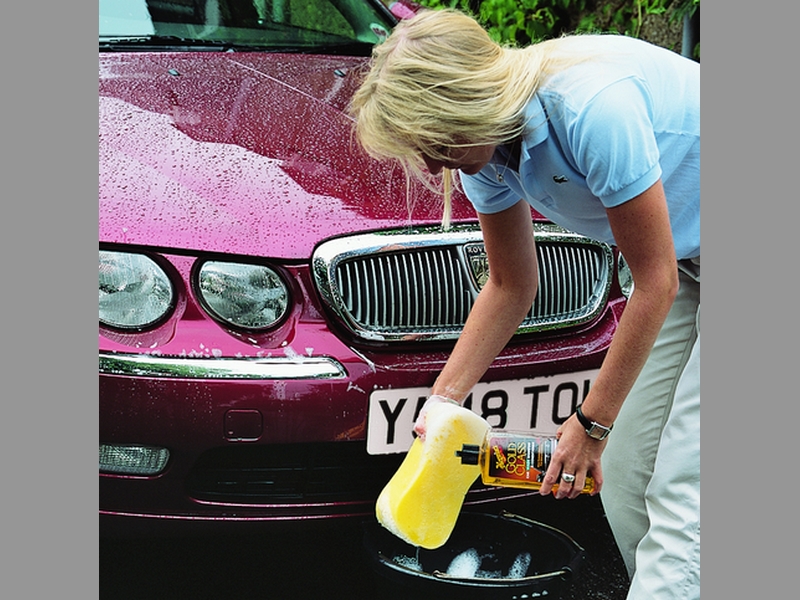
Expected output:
(449, 392)
(593, 429)
(441, 398)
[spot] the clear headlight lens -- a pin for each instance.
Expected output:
(625, 276)
(135, 292)
(244, 295)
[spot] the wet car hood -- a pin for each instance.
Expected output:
(240, 153)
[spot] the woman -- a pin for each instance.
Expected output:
(601, 134)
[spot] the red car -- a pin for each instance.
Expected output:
(274, 305)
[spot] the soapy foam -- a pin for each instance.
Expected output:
(466, 565)
(409, 562)
(520, 566)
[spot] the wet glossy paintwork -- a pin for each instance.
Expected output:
(228, 152)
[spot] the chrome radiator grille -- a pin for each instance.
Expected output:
(409, 291)
(410, 285)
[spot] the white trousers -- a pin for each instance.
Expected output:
(651, 465)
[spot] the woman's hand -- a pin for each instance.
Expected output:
(576, 454)
(419, 424)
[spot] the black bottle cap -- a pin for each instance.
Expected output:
(469, 454)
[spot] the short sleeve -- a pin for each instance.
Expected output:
(487, 195)
(613, 142)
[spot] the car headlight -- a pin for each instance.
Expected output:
(625, 276)
(135, 292)
(247, 296)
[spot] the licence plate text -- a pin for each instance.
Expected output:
(537, 405)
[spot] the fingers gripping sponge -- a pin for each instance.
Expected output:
(422, 500)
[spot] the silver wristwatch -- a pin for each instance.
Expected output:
(594, 430)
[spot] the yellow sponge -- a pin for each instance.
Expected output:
(422, 500)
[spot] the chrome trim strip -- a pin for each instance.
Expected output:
(269, 368)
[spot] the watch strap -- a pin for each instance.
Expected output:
(593, 429)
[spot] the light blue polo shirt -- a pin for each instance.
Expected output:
(599, 134)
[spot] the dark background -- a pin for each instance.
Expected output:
(324, 559)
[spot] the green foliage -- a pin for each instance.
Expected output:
(521, 22)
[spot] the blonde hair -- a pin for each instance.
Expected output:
(440, 82)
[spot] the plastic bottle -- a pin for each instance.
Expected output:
(513, 459)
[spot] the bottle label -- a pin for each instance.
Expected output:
(521, 459)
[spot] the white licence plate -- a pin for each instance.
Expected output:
(539, 405)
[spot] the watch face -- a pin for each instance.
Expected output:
(598, 432)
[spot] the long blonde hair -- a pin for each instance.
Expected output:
(440, 82)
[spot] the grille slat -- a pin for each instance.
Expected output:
(401, 285)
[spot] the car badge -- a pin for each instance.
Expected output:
(478, 263)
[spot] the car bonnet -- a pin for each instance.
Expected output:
(241, 153)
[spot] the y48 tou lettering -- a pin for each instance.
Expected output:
(538, 405)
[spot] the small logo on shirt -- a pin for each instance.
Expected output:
(560, 179)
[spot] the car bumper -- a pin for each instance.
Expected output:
(259, 440)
